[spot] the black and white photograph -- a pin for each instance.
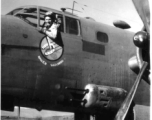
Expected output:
(75, 60)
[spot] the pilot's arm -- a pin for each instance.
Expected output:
(52, 32)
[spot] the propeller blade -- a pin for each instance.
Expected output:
(122, 112)
(142, 7)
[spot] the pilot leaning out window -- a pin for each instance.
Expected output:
(51, 24)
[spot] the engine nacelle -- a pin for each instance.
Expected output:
(103, 97)
(133, 64)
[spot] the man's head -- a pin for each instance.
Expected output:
(49, 18)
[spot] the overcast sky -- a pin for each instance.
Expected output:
(105, 11)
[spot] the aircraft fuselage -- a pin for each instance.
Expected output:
(98, 54)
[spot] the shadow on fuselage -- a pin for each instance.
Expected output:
(58, 40)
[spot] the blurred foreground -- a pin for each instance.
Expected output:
(33, 114)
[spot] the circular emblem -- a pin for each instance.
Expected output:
(50, 50)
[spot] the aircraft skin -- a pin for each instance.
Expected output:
(29, 79)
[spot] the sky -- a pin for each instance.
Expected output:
(104, 11)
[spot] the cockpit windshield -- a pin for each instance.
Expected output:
(33, 15)
(23, 10)
(28, 14)
(13, 12)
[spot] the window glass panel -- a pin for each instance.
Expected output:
(102, 37)
(29, 15)
(72, 26)
(32, 21)
(14, 11)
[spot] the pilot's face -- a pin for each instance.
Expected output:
(48, 20)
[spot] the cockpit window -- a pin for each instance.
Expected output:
(72, 26)
(29, 15)
(43, 12)
(33, 16)
(14, 11)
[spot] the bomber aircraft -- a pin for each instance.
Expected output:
(94, 69)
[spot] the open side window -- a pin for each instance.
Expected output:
(72, 26)
(42, 12)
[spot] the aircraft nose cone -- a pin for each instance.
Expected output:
(12, 29)
(6, 28)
